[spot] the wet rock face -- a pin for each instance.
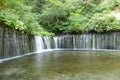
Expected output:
(14, 43)
(90, 41)
(109, 47)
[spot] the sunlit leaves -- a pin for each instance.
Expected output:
(60, 16)
(104, 22)
(18, 15)
(11, 19)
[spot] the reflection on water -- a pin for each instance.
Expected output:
(64, 65)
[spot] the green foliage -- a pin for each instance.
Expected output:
(18, 15)
(104, 21)
(46, 17)
(76, 16)
(11, 19)
(3, 4)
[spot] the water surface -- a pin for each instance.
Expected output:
(64, 65)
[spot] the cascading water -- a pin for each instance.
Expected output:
(43, 43)
(39, 43)
(47, 42)
(84, 41)
(13, 43)
(55, 42)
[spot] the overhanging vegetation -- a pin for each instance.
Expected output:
(49, 17)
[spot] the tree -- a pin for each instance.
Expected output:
(2, 4)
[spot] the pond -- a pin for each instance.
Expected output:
(64, 65)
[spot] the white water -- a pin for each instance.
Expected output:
(18, 46)
(55, 42)
(39, 43)
(85, 41)
(46, 41)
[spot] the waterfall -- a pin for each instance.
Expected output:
(14, 43)
(47, 42)
(43, 43)
(55, 42)
(83, 41)
(39, 43)
(93, 42)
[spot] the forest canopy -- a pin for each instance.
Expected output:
(50, 17)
